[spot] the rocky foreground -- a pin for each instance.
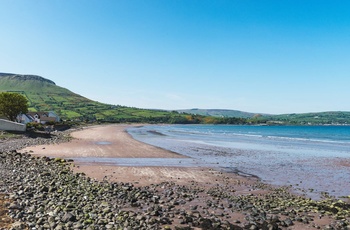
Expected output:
(44, 193)
(33, 138)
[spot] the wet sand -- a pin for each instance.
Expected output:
(112, 141)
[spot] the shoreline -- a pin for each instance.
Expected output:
(113, 141)
(194, 197)
(277, 156)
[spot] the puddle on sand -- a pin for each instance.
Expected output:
(140, 162)
(103, 143)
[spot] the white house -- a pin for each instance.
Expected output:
(38, 117)
(24, 118)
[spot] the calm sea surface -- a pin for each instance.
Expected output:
(313, 159)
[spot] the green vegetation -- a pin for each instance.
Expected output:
(331, 118)
(45, 95)
(218, 113)
(12, 104)
(7, 135)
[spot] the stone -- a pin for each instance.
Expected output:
(17, 226)
(15, 206)
(68, 217)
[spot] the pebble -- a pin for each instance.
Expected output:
(46, 194)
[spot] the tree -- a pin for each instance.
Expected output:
(12, 104)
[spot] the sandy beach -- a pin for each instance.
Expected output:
(112, 141)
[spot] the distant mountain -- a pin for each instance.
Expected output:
(219, 113)
(44, 95)
(331, 117)
(30, 83)
(320, 118)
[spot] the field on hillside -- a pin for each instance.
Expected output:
(76, 107)
(45, 95)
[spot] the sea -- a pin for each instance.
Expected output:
(313, 160)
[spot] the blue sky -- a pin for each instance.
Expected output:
(257, 56)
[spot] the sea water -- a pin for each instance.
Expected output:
(313, 159)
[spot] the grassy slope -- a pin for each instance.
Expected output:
(44, 95)
(218, 112)
(334, 117)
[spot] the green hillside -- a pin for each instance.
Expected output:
(334, 117)
(45, 95)
(320, 118)
(218, 113)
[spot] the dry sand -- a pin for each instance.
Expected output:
(117, 143)
(103, 141)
